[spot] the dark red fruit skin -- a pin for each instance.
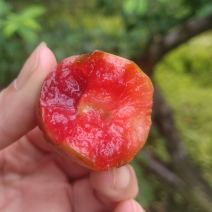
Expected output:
(66, 151)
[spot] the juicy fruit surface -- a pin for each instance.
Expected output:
(99, 105)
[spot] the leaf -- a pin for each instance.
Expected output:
(31, 23)
(10, 29)
(138, 7)
(24, 23)
(166, 1)
(32, 12)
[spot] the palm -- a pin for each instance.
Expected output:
(34, 179)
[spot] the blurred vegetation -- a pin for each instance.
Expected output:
(18, 34)
(185, 77)
(126, 28)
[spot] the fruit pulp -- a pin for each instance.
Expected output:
(99, 105)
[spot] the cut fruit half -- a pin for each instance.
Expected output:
(96, 109)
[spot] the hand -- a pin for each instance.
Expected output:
(32, 177)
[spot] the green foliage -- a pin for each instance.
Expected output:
(185, 77)
(109, 7)
(195, 6)
(205, 10)
(19, 35)
(23, 23)
(4, 8)
(187, 88)
(195, 61)
(137, 7)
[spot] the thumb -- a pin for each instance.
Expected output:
(19, 100)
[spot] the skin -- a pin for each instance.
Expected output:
(32, 176)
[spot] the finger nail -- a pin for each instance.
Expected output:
(38, 55)
(136, 206)
(30, 65)
(121, 177)
(15, 84)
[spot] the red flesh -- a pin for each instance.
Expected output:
(99, 105)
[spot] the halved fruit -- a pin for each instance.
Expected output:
(96, 109)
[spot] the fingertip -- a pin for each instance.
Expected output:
(121, 177)
(129, 205)
(115, 185)
(117, 179)
(124, 206)
(136, 206)
(47, 61)
(40, 62)
(29, 66)
(101, 180)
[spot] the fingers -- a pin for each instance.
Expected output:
(106, 191)
(115, 186)
(18, 101)
(30, 65)
(70, 168)
(36, 137)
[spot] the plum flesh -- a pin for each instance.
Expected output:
(96, 109)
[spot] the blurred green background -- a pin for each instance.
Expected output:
(174, 168)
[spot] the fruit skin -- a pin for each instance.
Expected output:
(91, 101)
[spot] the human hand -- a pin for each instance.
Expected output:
(34, 178)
